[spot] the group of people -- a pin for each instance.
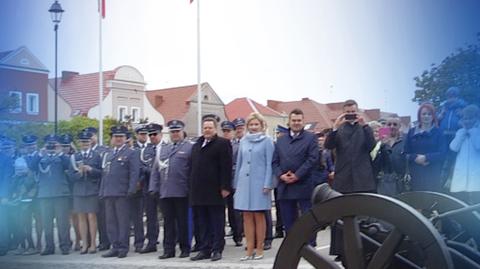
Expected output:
(241, 170)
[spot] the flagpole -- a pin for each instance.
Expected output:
(199, 86)
(100, 75)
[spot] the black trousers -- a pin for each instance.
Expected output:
(136, 219)
(23, 222)
(234, 219)
(175, 222)
(279, 223)
(151, 204)
(57, 208)
(102, 224)
(211, 221)
(118, 222)
(269, 230)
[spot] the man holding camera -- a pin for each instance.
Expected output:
(353, 141)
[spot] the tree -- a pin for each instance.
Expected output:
(461, 69)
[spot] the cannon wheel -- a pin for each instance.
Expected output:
(408, 223)
(429, 202)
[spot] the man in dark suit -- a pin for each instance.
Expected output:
(210, 183)
(295, 156)
(6, 182)
(353, 140)
(121, 169)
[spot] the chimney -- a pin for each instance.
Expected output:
(273, 104)
(66, 75)
(158, 100)
(305, 99)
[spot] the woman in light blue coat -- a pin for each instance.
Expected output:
(253, 183)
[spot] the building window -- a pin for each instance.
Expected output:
(17, 102)
(122, 113)
(33, 103)
(135, 113)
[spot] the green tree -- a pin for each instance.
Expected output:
(461, 69)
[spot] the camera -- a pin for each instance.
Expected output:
(350, 116)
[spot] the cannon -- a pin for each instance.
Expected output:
(385, 232)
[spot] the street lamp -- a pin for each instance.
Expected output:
(56, 15)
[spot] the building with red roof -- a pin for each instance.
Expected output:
(242, 107)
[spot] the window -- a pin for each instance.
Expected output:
(32, 103)
(16, 102)
(135, 113)
(122, 113)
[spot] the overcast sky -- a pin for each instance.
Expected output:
(368, 50)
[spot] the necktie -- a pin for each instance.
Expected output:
(116, 151)
(85, 155)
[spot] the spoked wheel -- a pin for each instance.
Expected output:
(408, 225)
(432, 204)
(455, 221)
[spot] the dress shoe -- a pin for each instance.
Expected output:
(258, 257)
(65, 252)
(103, 247)
(148, 249)
(83, 252)
(138, 249)
(122, 255)
(195, 248)
(93, 251)
(216, 256)
(184, 254)
(200, 256)
(77, 247)
(267, 245)
(279, 234)
(110, 254)
(238, 243)
(166, 256)
(30, 251)
(47, 252)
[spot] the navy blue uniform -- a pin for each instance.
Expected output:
(169, 179)
(6, 173)
(54, 196)
(120, 177)
(85, 185)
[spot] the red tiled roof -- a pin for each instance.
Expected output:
(242, 107)
(172, 103)
(314, 112)
(81, 91)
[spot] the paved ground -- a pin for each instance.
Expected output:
(231, 259)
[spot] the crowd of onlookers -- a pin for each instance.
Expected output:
(241, 170)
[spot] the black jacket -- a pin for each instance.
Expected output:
(211, 171)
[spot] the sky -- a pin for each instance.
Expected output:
(329, 51)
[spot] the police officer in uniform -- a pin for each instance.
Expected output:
(234, 216)
(104, 242)
(120, 175)
(6, 177)
(151, 202)
(54, 194)
(137, 200)
(169, 179)
(85, 172)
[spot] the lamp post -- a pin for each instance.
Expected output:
(56, 15)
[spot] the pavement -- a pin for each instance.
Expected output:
(231, 259)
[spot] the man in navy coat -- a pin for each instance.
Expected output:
(121, 169)
(6, 178)
(295, 156)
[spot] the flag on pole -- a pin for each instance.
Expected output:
(101, 7)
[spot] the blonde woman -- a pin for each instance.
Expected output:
(253, 184)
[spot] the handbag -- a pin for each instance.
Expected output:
(404, 184)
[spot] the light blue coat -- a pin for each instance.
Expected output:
(253, 173)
